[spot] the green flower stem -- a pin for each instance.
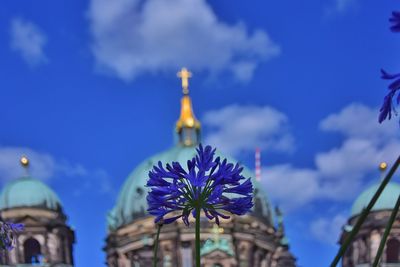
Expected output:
(197, 241)
(386, 233)
(364, 214)
(155, 248)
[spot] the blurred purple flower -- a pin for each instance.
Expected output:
(394, 88)
(208, 184)
(8, 233)
(387, 107)
(395, 20)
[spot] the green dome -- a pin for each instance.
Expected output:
(28, 192)
(132, 203)
(386, 201)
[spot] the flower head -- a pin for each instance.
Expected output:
(394, 88)
(8, 232)
(395, 20)
(209, 184)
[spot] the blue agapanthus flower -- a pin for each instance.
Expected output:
(8, 233)
(209, 184)
(394, 88)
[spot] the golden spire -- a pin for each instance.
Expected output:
(184, 74)
(382, 166)
(25, 164)
(187, 118)
(382, 169)
(187, 126)
(24, 161)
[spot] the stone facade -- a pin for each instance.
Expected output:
(246, 241)
(46, 240)
(363, 250)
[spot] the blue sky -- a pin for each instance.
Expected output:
(88, 90)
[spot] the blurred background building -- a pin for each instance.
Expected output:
(363, 249)
(47, 240)
(253, 240)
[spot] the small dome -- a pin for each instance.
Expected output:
(386, 201)
(28, 192)
(132, 204)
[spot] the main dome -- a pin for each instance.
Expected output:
(132, 204)
(28, 192)
(386, 201)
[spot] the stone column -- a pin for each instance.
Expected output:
(123, 261)
(53, 248)
(375, 240)
(167, 253)
(66, 247)
(243, 251)
(186, 255)
(258, 255)
(146, 258)
(112, 261)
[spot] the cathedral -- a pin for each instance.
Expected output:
(47, 240)
(365, 245)
(256, 239)
(252, 240)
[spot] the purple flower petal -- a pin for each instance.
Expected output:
(395, 20)
(201, 187)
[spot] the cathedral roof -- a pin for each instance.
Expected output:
(386, 201)
(28, 192)
(132, 204)
(213, 245)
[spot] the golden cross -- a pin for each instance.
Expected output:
(184, 74)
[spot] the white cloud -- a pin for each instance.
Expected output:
(343, 5)
(341, 172)
(44, 166)
(339, 7)
(359, 121)
(98, 179)
(338, 175)
(367, 143)
(235, 128)
(132, 37)
(290, 187)
(10, 168)
(327, 230)
(28, 40)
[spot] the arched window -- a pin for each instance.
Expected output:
(392, 251)
(32, 251)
